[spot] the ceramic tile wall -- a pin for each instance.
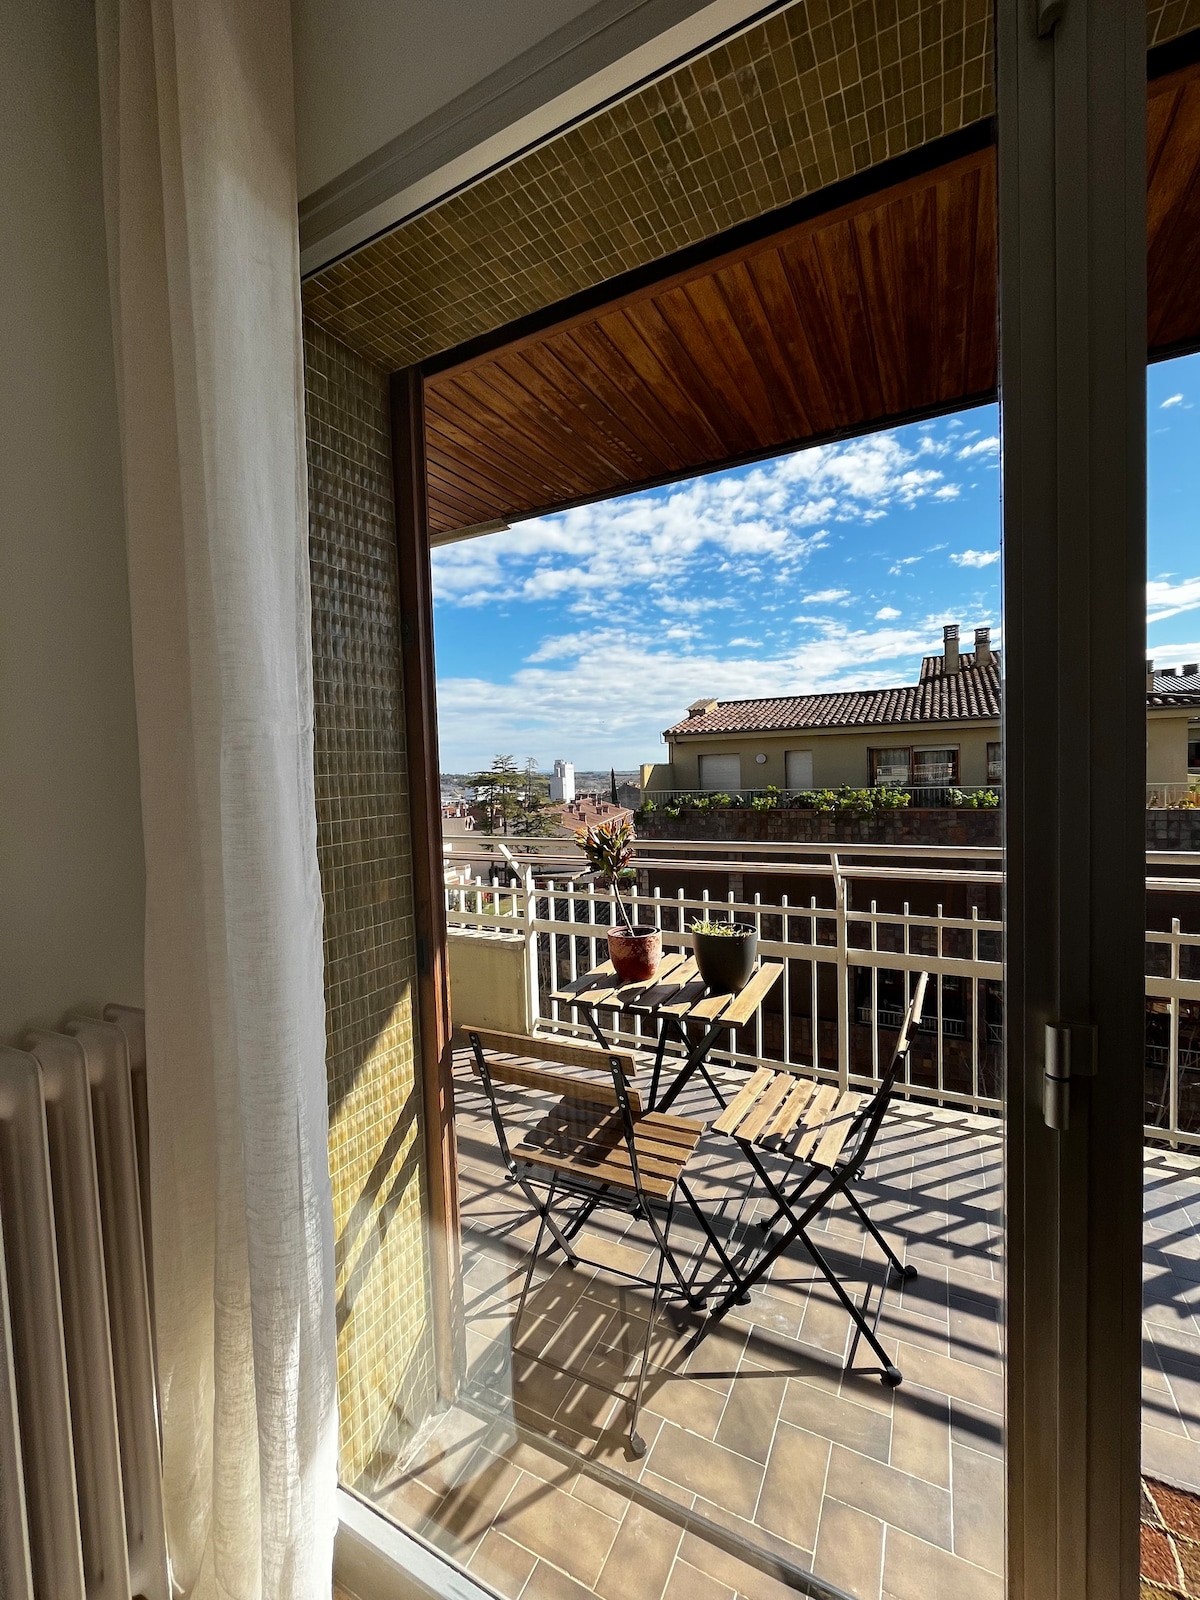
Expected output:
(385, 1343)
(816, 93)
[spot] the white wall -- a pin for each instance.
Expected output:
(71, 883)
(367, 70)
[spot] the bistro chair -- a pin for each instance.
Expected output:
(828, 1133)
(594, 1147)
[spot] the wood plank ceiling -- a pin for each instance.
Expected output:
(862, 316)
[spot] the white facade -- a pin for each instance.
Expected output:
(562, 781)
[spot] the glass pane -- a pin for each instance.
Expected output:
(662, 1382)
(1171, 1348)
(891, 766)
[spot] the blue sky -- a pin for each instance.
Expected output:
(583, 635)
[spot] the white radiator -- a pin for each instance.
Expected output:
(80, 1478)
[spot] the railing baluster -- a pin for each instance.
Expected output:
(875, 992)
(1173, 1035)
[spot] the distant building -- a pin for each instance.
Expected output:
(562, 782)
(940, 732)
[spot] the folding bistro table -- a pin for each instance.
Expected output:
(675, 998)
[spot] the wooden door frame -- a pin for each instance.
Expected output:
(434, 1023)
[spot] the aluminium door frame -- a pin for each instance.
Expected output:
(1072, 198)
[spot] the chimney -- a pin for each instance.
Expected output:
(983, 647)
(1150, 677)
(1190, 670)
(701, 708)
(950, 642)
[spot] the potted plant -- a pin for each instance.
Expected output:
(725, 954)
(635, 952)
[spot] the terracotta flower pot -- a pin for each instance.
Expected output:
(635, 956)
(726, 960)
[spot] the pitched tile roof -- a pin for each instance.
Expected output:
(1176, 687)
(972, 694)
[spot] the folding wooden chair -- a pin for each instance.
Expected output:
(829, 1133)
(593, 1148)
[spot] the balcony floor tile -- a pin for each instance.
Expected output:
(760, 1435)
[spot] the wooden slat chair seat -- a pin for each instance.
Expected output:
(594, 1146)
(587, 1141)
(828, 1132)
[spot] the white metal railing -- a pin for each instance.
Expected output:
(1159, 795)
(847, 972)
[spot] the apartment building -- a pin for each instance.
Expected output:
(942, 731)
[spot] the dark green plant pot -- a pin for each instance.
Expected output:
(726, 960)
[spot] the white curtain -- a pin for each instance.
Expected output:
(201, 212)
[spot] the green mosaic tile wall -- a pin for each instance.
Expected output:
(385, 1333)
(816, 93)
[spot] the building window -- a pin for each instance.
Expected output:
(995, 761)
(721, 774)
(934, 766)
(890, 767)
(798, 769)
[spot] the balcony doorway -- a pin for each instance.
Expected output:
(815, 327)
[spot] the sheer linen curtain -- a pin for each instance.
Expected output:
(201, 212)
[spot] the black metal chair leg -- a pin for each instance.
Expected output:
(533, 1255)
(907, 1273)
(890, 1373)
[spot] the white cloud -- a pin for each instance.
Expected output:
(981, 447)
(1165, 600)
(773, 516)
(886, 614)
(822, 597)
(555, 704)
(897, 567)
(976, 558)
(1171, 400)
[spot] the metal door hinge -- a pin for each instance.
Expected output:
(1046, 15)
(1070, 1053)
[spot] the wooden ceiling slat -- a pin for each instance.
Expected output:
(742, 345)
(773, 285)
(463, 430)
(468, 509)
(768, 358)
(710, 349)
(690, 426)
(881, 310)
(564, 447)
(1173, 219)
(541, 367)
(594, 363)
(833, 367)
(509, 425)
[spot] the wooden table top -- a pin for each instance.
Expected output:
(676, 990)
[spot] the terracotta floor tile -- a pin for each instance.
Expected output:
(558, 1527)
(760, 1429)
(641, 1558)
(706, 1469)
(790, 1502)
(849, 1549)
(979, 1509)
(832, 1416)
(894, 1497)
(503, 1564)
(914, 1570)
